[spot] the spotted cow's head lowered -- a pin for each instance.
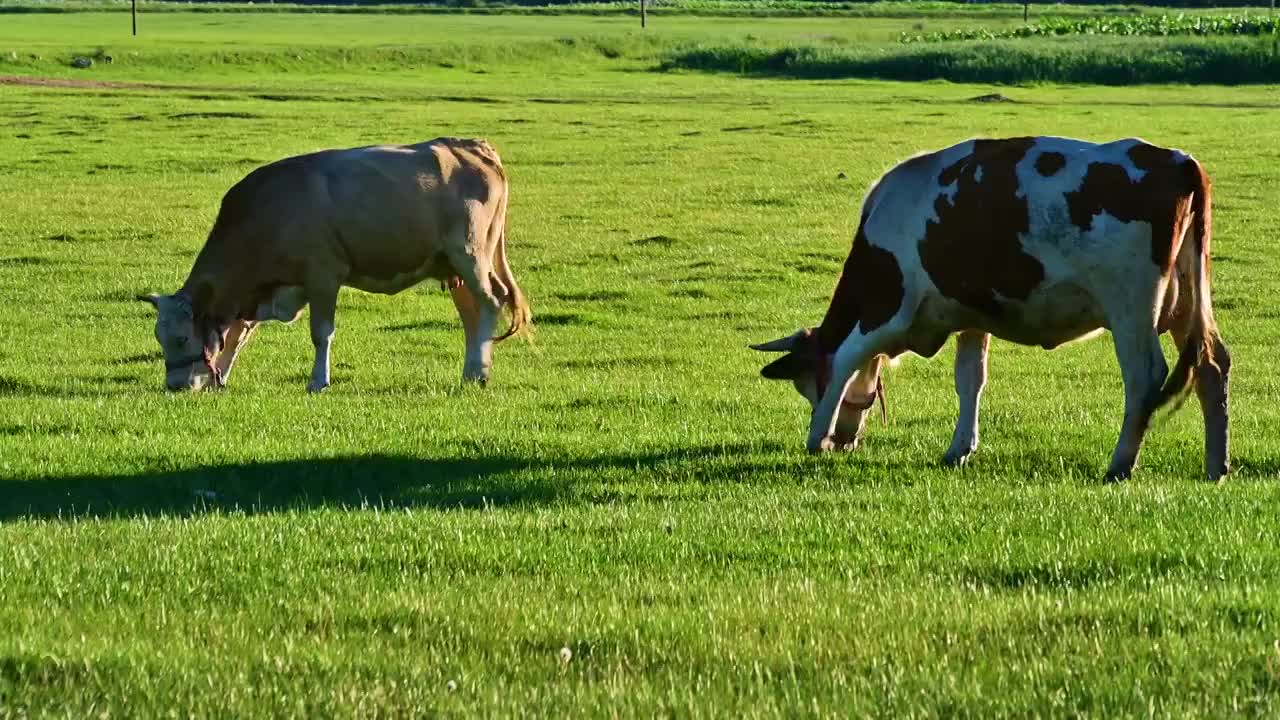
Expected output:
(808, 369)
(189, 348)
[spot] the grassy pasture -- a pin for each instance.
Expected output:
(627, 487)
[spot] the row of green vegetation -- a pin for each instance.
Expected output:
(1103, 62)
(304, 59)
(1141, 25)
(730, 8)
(1098, 60)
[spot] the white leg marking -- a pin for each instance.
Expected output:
(851, 424)
(324, 302)
(1144, 369)
(322, 338)
(971, 377)
(473, 366)
(472, 264)
(854, 353)
(480, 348)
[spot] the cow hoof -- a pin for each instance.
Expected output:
(845, 444)
(314, 387)
(1115, 475)
(955, 459)
(1218, 474)
(823, 446)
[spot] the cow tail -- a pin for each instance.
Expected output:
(517, 304)
(1202, 344)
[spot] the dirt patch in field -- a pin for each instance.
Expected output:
(94, 84)
(991, 98)
(139, 359)
(563, 319)
(25, 261)
(624, 363)
(421, 325)
(216, 116)
(659, 240)
(593, 296)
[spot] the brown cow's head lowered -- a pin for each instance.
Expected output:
(189, 350)
(809, 369)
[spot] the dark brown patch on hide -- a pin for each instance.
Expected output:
(1050, 163)
(1162, 198)
(973, 251)
(867, 295)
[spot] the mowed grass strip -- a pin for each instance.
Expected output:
(627, 487)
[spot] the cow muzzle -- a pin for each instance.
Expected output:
(192, 380)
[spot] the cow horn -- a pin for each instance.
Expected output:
(784, 344)
(153, 299)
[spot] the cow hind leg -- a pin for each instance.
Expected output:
(1144, 369)
(971, 377)
(1211, 383)
(470, 258)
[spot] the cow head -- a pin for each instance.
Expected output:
(808, 368)
(190, 348)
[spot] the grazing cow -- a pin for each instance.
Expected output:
(379, 219)
(1038, 241)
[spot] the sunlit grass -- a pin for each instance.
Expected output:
(627, 487)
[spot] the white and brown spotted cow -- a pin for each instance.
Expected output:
(1034, 240)
(379, 218)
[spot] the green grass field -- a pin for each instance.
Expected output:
(627, 486)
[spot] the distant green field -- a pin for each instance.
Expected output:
(627, 487)
(706, 8)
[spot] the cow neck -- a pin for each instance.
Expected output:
(836, 327)
(842, 313)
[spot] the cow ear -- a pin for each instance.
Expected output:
(782, 344)
(153, 299)
(787, 367)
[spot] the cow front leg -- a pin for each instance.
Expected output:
(855, 352)
(324, 304)
(852, 421)
(237, 337)
(971, 377)
(1144, 369)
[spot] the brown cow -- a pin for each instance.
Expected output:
(380, 219)
(1034, 240)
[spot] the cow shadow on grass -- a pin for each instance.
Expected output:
(374, 480)
(349, 481)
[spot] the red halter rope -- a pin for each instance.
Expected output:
(822, 371)
(213, 368)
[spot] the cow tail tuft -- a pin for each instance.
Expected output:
(517, 304)
(1199, 346)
